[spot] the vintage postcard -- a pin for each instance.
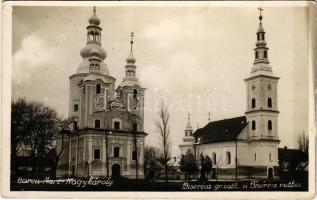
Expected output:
(195, 100)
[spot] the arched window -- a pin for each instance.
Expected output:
(253, 103)
(270, 157)
(134, 155)
(91, 35)
(265, 54)
(97, 123)
(75, 107)
(269, 125)
(214, 158)
(256, 54)
(263, 38)
(228, 156)
(135, 93)
(98, 89)
(116, 125)
(269, 102)
(253, 125)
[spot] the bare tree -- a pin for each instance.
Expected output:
(162, 125)
(303, 142)
(63, 129)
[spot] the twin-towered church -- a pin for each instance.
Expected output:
(245, 146)
(107, 137)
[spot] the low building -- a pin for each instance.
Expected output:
(290, 159)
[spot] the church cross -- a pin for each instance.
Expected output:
(131, 42)
(260, 9)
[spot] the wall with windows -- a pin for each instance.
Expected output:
(85, 155)
(220, 151)
(262, 128)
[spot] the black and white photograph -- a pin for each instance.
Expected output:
(160, 97)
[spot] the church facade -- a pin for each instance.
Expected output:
(245, 146)
(107, 134)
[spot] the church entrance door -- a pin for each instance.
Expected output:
(115, 170)
(270, 173)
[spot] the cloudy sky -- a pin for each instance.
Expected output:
(183, 54)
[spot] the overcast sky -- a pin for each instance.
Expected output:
(181, 53)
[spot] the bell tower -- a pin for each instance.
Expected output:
(262, 106)
(130, 90)
(188, 139)
(92, 84)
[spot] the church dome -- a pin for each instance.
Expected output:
(93, 49)
(84, 67)
(131, 59)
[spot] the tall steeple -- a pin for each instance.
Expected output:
(262, 106)
(130, 68)
(93, 29)
(189, 127)
(93, 54)
(261, 61)
(188, 139)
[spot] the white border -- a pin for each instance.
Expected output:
(6, 104)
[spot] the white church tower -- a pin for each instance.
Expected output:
(262, 108)
(262, 111)
(188, 139)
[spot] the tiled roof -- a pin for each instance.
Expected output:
(222, 130)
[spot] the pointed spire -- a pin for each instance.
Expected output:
(188, 125)
(261, 51)
(131, 59)
(130, 68)
(131, 42)
(94, 20)
(260, 29)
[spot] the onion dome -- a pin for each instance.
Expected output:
(131, 59)
(95, 49)
(84, 67)
(94, 20)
